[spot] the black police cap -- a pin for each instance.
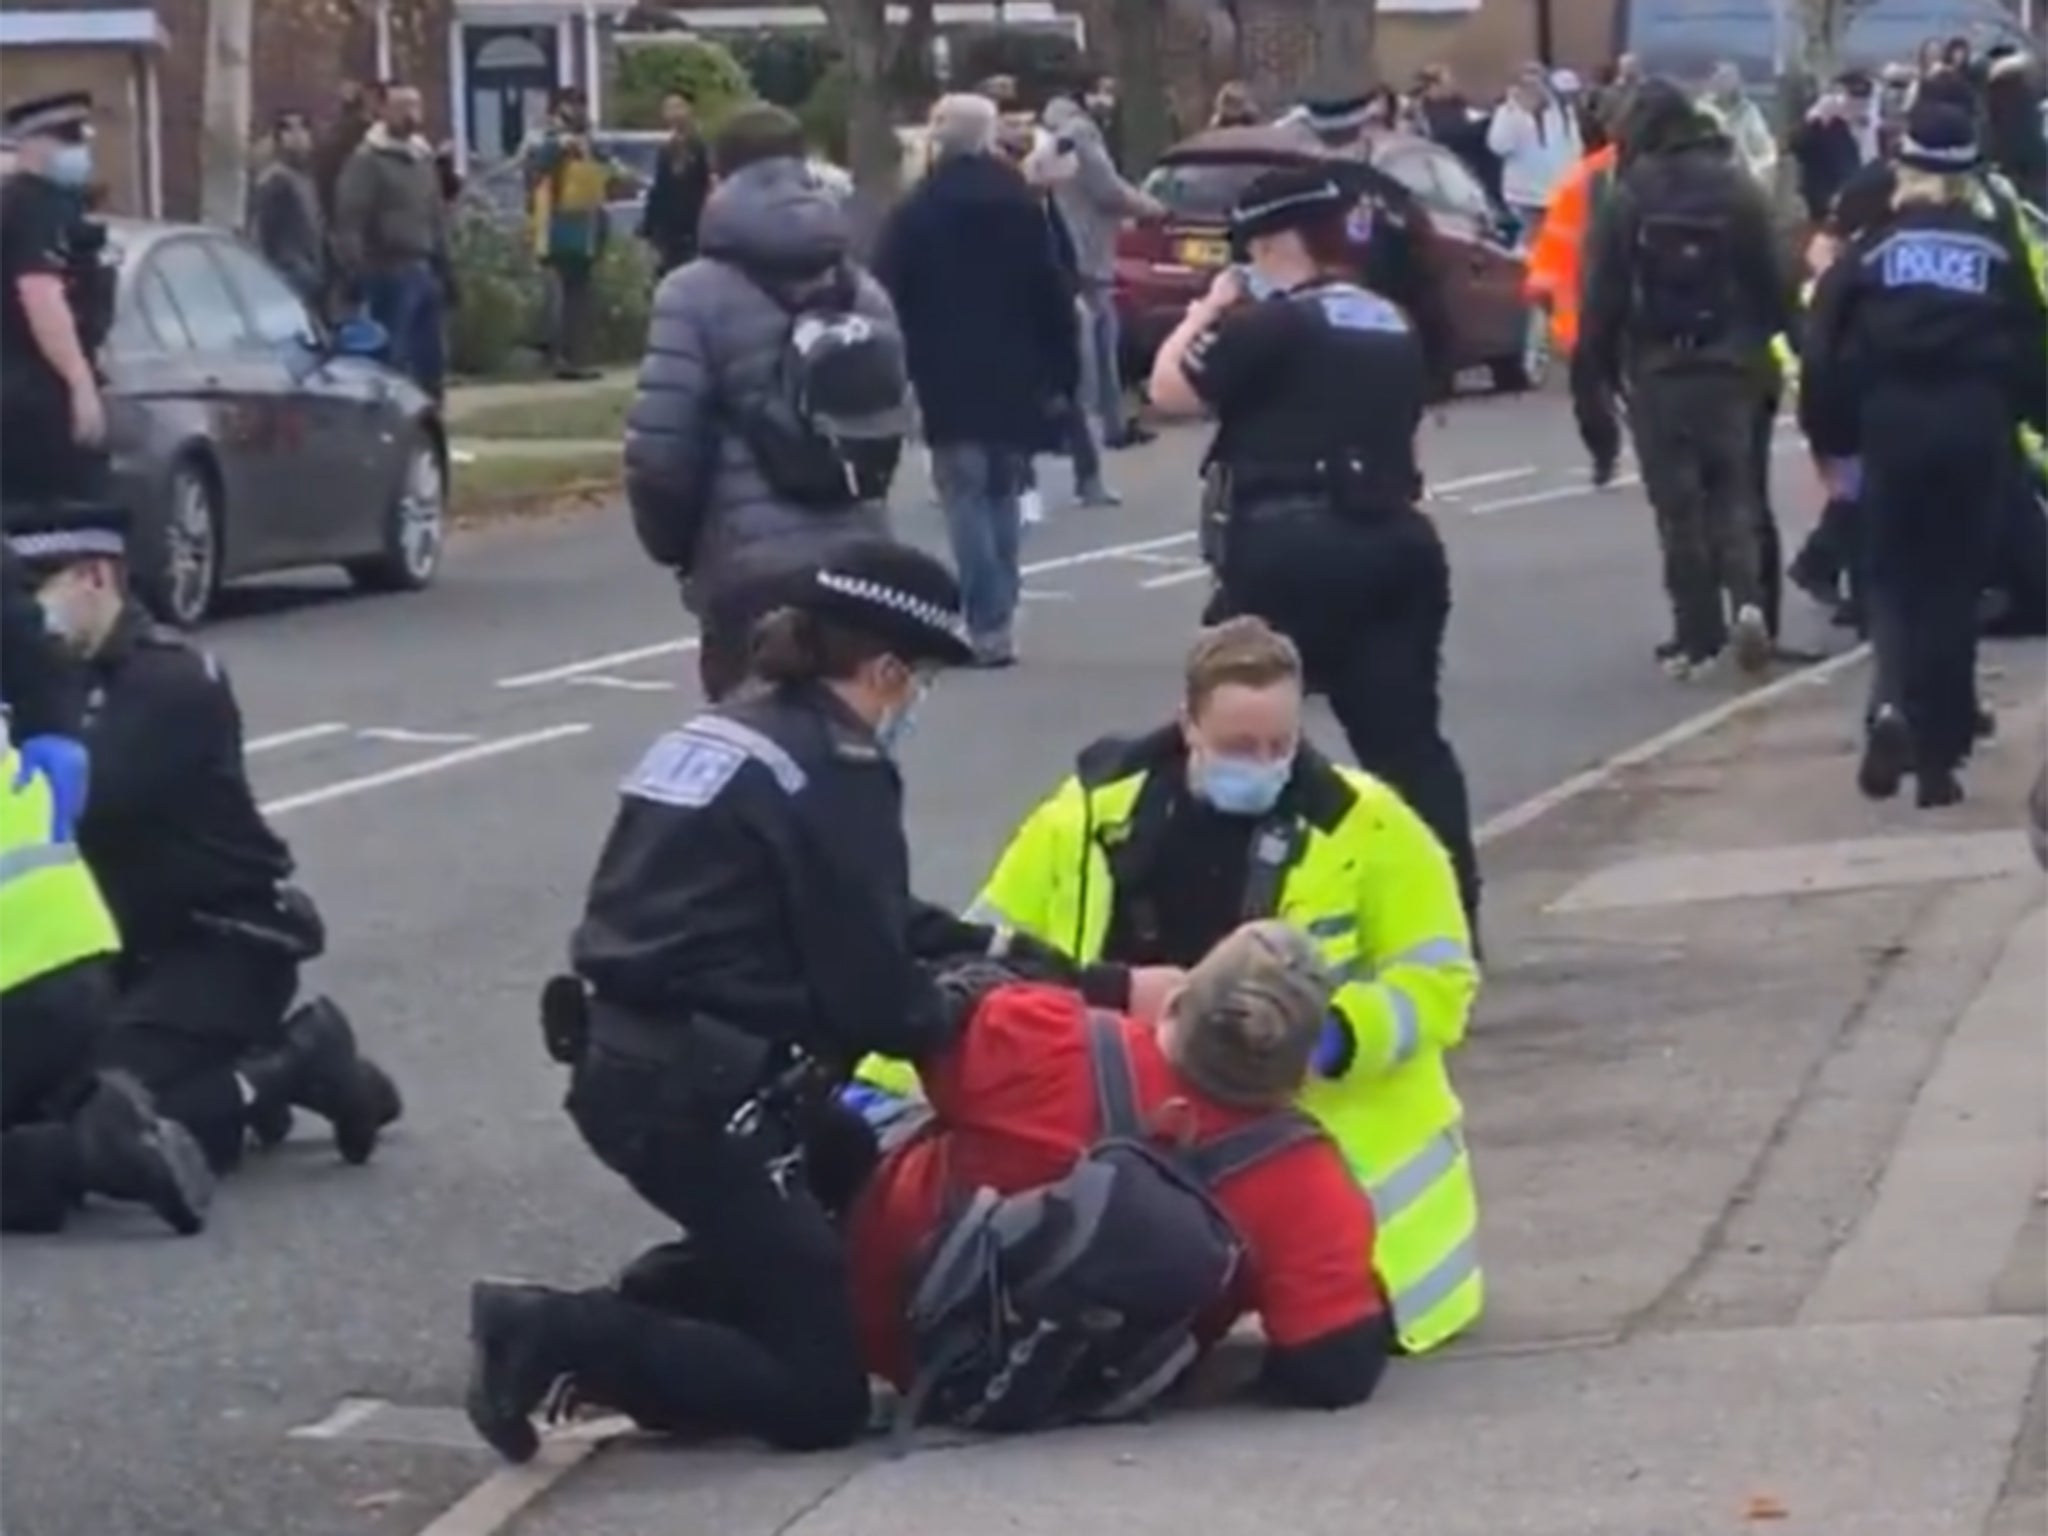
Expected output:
(1939, 138)
(896, 594)
(1292, 197)
(1337, 114)
(49, 536)
(65, 115)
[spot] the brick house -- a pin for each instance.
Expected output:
(486, 67)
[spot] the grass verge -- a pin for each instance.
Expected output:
(595, 414)
(491, 486)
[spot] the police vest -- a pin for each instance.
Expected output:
(1377, 893)
(51, 911)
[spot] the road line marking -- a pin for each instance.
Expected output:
(502, 1497)
(404, 737)
(1537, 806)
(1555, 493)
(1473, 482)
(1044, 595)
(628, 684)
(276, 739)
(605, 663)
(1173, 578)
(1171, 562)
(348, 1413)
(460, 757)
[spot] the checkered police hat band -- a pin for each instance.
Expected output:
(68, 544)
(922, 610)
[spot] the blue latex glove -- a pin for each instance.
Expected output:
(1334, 1049)
(62, 763)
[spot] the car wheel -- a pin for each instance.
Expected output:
(192, 545)
(1528, 368)
(415, 525)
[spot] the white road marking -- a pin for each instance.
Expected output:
(1555, 493)
(1044, 595)
(405, 737)
(1474, 482)
(607, 662)
(1516, 817)
(345, 788)
(1174, 578)
(1171, 562)
(626, 684)
(276, 739)
(348, 1414)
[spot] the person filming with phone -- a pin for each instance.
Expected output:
(1318, 387)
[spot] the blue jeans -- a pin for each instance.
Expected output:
(1101, 366)
(407, 301)
(978, 487)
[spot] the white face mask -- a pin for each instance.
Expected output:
(898, 722)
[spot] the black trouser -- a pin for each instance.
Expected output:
(1696, 441)
(1770, 548)
(1367, 603)
(776, 1355)
(573, 310)
(1594, 412)
(1937, 462)
(188, 1015)
(48, 1030)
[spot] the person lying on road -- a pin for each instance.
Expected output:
(1093, 1203)
(1157, 847)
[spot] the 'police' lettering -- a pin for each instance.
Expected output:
(684, 769)
(1937, 261)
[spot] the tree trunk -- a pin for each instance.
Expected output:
(1345, 33)
(1145, 110)
(861, 30)
(225, 113)
(914, 71)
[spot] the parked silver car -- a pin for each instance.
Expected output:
(248, 437)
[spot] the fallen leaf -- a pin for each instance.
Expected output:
(1762, 1506)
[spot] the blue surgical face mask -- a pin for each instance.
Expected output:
(895, 727)
(69, 165)
(1257, 286)
(1241, 786)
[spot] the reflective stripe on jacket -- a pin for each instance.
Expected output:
(51, 910)
(1377, 892)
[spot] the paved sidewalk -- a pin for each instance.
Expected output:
(1756, 1098)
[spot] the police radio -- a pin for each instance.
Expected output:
(90, 278)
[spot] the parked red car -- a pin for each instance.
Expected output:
(1162, 266)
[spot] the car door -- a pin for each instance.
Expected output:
(324, 418)
(241, 386)
(1498, 273)
(1464, 261)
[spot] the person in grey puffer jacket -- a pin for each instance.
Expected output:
(716, 337)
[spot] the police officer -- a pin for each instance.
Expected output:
(213, 937)
(1318, 387)
(1926, 348)
(51, 413)
(744, 943)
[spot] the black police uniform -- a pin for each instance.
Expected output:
(745, 942)
(1318, 395)
(213, 936)
(44, 232)
(1926, 346)
(39, 684)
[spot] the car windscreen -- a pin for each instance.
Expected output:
(1202, 191)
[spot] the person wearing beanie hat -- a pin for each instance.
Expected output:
(1926, 350)
(1036, 1105)
(747, 937)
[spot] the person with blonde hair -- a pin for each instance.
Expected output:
(1158, 846)
(1926, 349)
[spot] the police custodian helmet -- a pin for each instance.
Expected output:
(47, 536)
(1292, 197)
(892, 592)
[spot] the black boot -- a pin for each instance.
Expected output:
(385, 1100)
(126, 1151)
(1936, 788)
(317, 1069)
(516, 1355)
(1887, 755)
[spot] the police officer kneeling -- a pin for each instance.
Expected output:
(1318, 387)
(745, 941)
(213, 937)
(1926, 347)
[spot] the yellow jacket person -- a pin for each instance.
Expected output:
(1157, 847)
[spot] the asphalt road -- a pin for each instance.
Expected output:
(444, 767)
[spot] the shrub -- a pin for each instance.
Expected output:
(704, 71)
(503, 315)
(1042, 63)
(785, 67)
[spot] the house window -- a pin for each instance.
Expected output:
(509, 73)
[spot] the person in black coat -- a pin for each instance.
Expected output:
(994, 351)
(682, 181)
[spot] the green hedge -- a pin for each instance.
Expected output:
(501, 323)
(704, 71)
(785, 67)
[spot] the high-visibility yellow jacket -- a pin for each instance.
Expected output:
(1365, 877)
(51, 911)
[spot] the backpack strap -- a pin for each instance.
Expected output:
(1223, 1158)
(1116, 1089)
